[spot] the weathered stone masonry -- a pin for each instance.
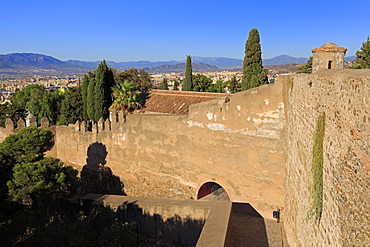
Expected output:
(344, 97)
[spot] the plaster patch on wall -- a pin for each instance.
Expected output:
(197, 124)
(270, 114)
(268, 124)
(268, 133)
(120, 137)
(257, 122)
(223, 118)
(212, 142)
(239, 107)
(216, 126)
(267, 101)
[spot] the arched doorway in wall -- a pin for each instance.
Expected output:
(212, 191)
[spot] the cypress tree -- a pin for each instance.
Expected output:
(90, 99)
(234, 84)
(187, 85)
(164, 84)
(363, 56)
(84, 87)
(176, 85)
(254, 74)
(306, 68)
(102, 88)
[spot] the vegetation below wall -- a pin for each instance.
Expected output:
(317, 168)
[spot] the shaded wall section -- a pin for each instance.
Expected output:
(343, 95)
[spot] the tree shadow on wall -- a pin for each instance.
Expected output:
(96, 177)
(183, 230)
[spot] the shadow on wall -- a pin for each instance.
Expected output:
(185, 231)
(96, 177)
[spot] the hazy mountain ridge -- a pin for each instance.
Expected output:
(180, 67)
(15, 60)
(30, 63)
(284, 59)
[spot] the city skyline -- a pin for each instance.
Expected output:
(166, 30)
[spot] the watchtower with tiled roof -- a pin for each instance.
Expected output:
(328, 56)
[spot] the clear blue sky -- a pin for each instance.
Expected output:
(161, 30)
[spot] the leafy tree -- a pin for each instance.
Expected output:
(234, 85)
(218, 87)
(11, 111)
(36, 100)
(176, 85)
(45, 179)
(254, 74)
(363, 56)
(71, 107)
(6, 166)
(125, 97)
(128, 75)
(55, 99)
(140, 79)
(187, 84)
(306, 68)
(112, 236)
(144, 85)
(28, 145)
(33, 98)
(201, 83)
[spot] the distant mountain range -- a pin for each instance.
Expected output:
(180, 67)
(30, 63)
(284, 59)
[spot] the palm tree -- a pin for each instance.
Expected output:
(125, 97)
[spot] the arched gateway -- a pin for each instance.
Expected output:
(212, 191)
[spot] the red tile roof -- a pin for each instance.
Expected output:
(176, 102)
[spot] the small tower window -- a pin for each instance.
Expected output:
(329, 64)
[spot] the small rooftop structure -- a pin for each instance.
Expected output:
(176, 102)
(328, 56)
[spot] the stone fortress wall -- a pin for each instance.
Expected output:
(257, 145)
(344, 97)
(231, 141)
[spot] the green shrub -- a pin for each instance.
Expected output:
(317, 168)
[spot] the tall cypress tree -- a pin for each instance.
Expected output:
(187, 85)
(90, 99)
(254, 74)
(164, 85)
(102, 89)
(84, 88)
